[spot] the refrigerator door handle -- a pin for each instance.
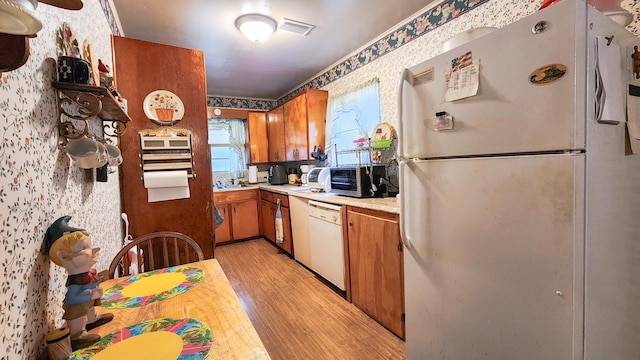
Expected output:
(403, 212)
(404, 77)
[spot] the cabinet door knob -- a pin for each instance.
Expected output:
(350, 224)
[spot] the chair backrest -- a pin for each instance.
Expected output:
(155, 251)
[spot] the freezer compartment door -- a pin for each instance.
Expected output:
(509, 114)
(489, 273)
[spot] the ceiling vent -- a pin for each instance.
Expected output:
(297, 27)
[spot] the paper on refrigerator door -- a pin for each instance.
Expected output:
(633, 119)
(608, 66)
(462, 82)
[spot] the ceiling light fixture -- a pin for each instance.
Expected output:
(256, 27)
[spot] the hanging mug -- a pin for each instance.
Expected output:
(87, 153)
(115, 155)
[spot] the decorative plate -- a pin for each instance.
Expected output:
(152, 286)
(163, 107)
(166, 338)
(18, 20)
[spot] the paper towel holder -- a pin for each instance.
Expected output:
(165, 150)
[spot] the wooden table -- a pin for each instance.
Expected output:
(212, 301)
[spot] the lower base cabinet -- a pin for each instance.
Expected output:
(268, 206)
(376, 266)
(240, 212)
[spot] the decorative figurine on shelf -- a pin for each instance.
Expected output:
(71, 248)
(105, 78)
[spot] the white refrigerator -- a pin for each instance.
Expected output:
(521, 222)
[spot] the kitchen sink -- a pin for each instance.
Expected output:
(234, 186)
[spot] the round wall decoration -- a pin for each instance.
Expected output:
(163, 107)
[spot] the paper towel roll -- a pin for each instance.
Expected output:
(163, 179)
(253, 174)
(166, 185)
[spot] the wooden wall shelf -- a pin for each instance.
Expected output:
(91, 101)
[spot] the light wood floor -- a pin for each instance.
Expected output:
(295, 314)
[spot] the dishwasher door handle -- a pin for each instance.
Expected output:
(325, 206)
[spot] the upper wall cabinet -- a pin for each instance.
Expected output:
(275, 131)
(295, 128)
(316, 106)
(298, 125)
(258, 150)
(304, 120)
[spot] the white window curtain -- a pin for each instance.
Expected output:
(352, 116)
(227, 139)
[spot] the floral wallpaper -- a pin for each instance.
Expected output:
(237, 103)
(38, 184)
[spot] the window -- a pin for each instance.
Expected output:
(227, 139)
(352, 116)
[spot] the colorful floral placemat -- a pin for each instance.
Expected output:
(166, 338)
(148, 287)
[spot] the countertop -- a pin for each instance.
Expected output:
(388, 204)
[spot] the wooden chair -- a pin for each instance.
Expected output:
(155, 251)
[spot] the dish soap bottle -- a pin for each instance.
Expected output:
(279, 228)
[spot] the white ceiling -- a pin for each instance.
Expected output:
(237, 67)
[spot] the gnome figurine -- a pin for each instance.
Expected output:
(71, 248)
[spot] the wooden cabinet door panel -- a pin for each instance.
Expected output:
(376, 269)
(268, 225)
(275, 134)
(316, 118)
(258, 149)
(223, 232)
(295, 125)
(245, 219)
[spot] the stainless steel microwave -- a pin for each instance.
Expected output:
(358, 181)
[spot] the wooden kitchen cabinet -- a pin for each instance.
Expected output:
(305, 119)
(295, 128)
(258, 149)
(241, 218)
(223, 232)
(316, 118)
(376, 266)
(275, 134)
(268, 206)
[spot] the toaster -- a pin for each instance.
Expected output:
(319, 179)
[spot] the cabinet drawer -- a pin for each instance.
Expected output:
(232, 196)
(284, 199)
(273, 198)
(266, 196)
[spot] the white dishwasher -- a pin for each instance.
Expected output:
(325, 237)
